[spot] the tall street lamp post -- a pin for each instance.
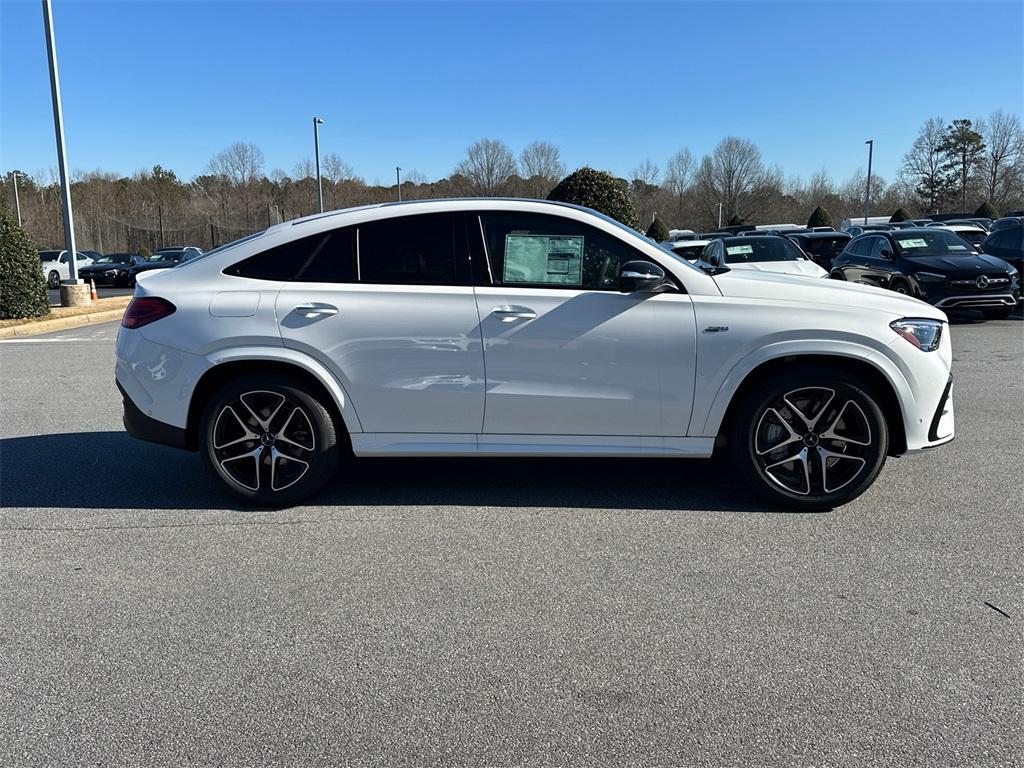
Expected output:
(62, 160)
(867, 190)
(398, 180)
(317, 122)
(17, 200)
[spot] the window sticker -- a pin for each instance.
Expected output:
(736, 250)
(543, 259)
(955, 247)
(916, 242)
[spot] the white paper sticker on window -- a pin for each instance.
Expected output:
(917, 242)
(955, 247)
(540, 259)
(736, 250)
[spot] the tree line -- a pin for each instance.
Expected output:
(954, 165)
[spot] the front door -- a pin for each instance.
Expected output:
(565, 352)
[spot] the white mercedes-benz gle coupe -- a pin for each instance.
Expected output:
(487, 327)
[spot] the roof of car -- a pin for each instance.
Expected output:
(818, 235)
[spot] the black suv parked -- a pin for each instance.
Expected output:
(1008, 244)
(821, 247)
(932, 264)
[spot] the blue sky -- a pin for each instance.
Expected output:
(413, 84)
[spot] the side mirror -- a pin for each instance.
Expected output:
(885, 253)
(640, 276)
(715, 259)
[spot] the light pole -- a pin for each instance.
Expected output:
(719, 215)
(867, 190)
(398, 180)
(17, 201)
(62, 161)
(317, 122)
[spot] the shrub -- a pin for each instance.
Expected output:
(737, 221)
(658, 232)
(987, 211)
(144, 252)
(598, 190)
(900, 215)
(820, 218)
(22, 287)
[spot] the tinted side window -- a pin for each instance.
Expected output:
(1012, 240)
(533, 249)
(412, 250)
(327, 257)
(878, 245)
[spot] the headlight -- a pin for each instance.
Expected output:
(929, 277)
(111, 272)
(922, 333)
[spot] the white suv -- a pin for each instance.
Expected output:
(521, 328)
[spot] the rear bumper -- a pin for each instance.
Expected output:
(139, 425)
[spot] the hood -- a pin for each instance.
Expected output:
(752, 284)
(959, 266)
(154, 265)
(94, 267)
(802, 267)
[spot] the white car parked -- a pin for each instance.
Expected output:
(56, 267)
(765, 253)
(521, 328)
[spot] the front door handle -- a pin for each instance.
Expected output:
(507, 313)
(315, 309)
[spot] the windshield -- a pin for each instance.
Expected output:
(49, 255)
(166, 256)
(688, 252)
(932, 243)
(974, 236)
(757, 249)
(113, 258)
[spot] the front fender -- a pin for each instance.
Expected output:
(711, 422)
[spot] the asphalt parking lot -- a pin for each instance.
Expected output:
(502, 612)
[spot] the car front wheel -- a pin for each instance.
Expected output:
(269, 440)
(53, 280)
(810, 439)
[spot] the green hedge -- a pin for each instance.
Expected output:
(598, 190)
(820, 218)
(22, 287)
(658, 232)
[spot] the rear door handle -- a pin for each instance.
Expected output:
(507, 313)
(315, 309)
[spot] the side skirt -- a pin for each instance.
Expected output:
(399, 444)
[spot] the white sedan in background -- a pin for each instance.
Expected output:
(55, 266)
(764, 253)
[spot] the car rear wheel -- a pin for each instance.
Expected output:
(997, 313)
(900, 287)
(810, 439)
(53, 280)
(271, 442)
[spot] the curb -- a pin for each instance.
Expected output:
(63, 323)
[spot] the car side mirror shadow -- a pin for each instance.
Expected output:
(643, 277)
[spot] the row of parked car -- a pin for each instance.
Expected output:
(115, 269)
(954, 264)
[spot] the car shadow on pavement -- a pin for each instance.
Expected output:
(110, 470)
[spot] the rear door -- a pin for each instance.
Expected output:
(568, 354)
(388, 306)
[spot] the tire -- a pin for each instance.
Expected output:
(289, 427)
(996, 313)
(53, 280)
(798, 414)
(900, 287)
(837, 275)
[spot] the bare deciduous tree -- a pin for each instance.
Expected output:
(925, 165)
(488, 165)
(242, 165)
(734, 171)
(1003, 164)
(541, 166)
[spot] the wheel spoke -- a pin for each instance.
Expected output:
(831, 434)
(302, 423)
(254, 454)
(800, 457)
(264, 423)
(825, 456)
(791, 438)
(277, 457)
(809, 421)
(247, 434)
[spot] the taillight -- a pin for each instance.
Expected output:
(144, 310)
